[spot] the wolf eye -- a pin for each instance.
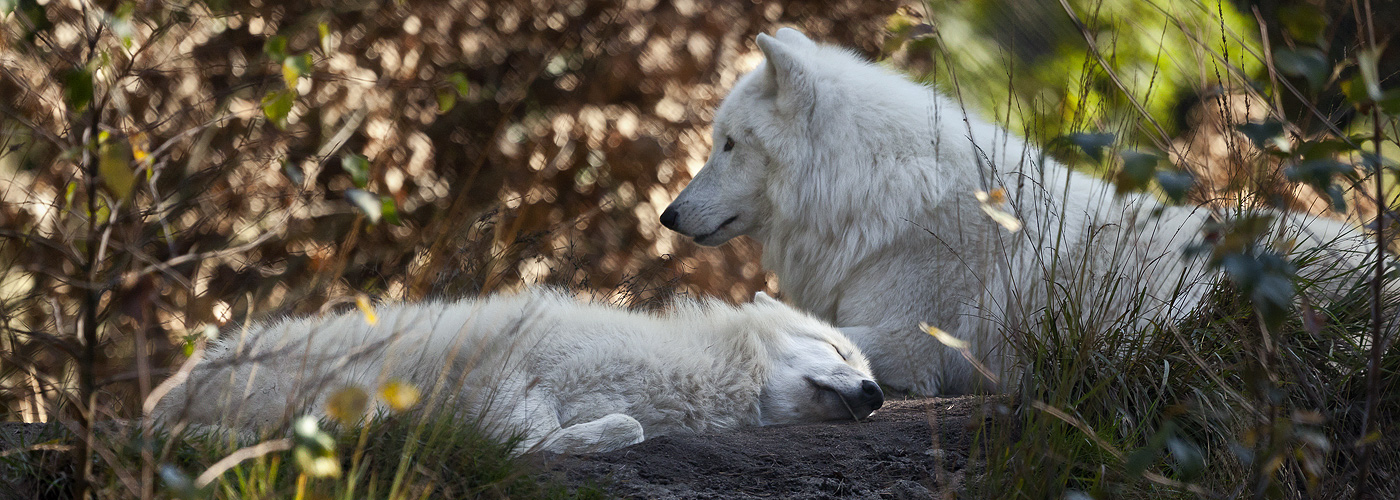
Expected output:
(728, 143)
(838, 352)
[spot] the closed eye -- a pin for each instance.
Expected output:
(838, 352)
(728, 143)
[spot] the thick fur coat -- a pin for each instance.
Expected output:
(570, 376)
(862, 188)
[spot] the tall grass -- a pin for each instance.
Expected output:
(412, 455)
(1285, 389)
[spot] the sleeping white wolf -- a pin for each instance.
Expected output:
(862, 188)
(572, 377)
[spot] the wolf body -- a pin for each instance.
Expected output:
(862, 188)
(569, 376)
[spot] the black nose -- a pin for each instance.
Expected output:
(871, 394)
(668, 218)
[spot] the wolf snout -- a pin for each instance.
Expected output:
(668, 218)
(870, 395)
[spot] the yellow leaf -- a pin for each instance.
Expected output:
(114, 163)
(347, 405)
(362, 302)
(991, 204)
(996, 196)
(899, 23)
(138, 146)
(1368, 439)
(399, 395)
(316, 465)
(946, 338)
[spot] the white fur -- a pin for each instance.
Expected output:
(860, 185)
(573, 377)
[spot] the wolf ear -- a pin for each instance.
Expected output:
(765, 299)
(794, 37)
(786, 73)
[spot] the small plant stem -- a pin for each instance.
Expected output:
(301, 486)
(1373, 375)
(87, 379)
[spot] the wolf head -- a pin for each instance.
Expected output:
(798, 134)
(816, 373)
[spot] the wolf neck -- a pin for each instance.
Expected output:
(911, 189)
(733, 342)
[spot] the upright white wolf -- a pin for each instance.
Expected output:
(862, 188)
(572, 377)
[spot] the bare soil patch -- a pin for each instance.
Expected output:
(895, 454)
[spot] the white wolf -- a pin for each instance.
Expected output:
(861, 185)
(572, 377)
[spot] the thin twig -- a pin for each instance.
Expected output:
(1378, 342)
(233, 459)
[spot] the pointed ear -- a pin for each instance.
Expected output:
(786, 73)
(793, 37)
(763, 298)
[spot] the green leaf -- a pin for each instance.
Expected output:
(1137, 172)
(1092, 144)
(446, 100)
(37, 15)
(294, 67)
(1319, 174)
(390, 209)
(1268, 280)
(1190, 462)
(1327, 148)
(358, 168)
(1175, 184)
(1306, 62)
(1370, 76)
(293, 172)
(1355, 90)
(275, 47)
(1139, 460)
(277, 105)
(459, 82)
(1305, 22)
(1371, 162)
(1390, 102)
(1261, 134)
(367, 202)
(1273, 294)
(77, 88)
(7, 6)
(114, 163)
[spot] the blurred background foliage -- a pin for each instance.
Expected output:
(1172, 78)
(254, 159)
(171, 168)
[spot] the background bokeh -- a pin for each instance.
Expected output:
(175, 168)
(518, 142)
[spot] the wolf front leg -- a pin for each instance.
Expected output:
(609, 433)
(537, 417)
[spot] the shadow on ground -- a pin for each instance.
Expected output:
(892, 455)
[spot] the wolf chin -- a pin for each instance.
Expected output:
(569, 376)
(861, 186)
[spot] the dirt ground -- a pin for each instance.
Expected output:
(892, 455)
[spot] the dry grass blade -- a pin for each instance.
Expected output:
(233, 459)
(1093, 436)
